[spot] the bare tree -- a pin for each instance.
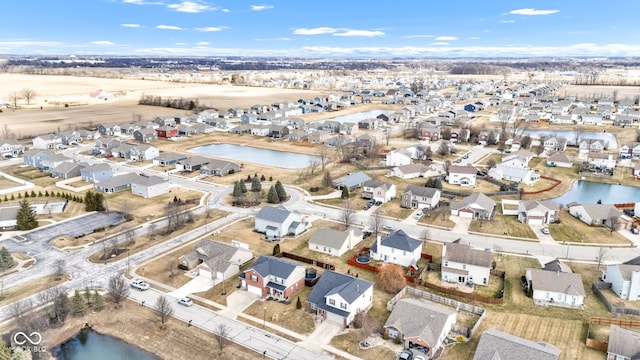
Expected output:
(518, 127)
(313, 165)
(14, 98)
(347, 214)
(28, 94)
(505, 114)
(6, 133)
(222, 336)
(323, 155)
(60, 266)
(129, 235)
(601, 253)
(377, 222)
(118, 288)
(612, 221)
(164, 310)
(426, 235)
(386, 133)
(327, 180)
(367, 325)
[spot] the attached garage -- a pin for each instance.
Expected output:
(335, 317)
(465, 213)
(535, 220)
(254, 290)
(205, 272)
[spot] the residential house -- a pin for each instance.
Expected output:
(334, 242)
(365, 141)
(10, 148)
(272, 277)
(601, 160)
(536, 212)
(169, 158)
(145, 135)
(298, 135)
(495, 345)
(339, 297)
(192, 163)
(462, 175)
(66, 170)
(109, 130)
(590, 119)
(465, 265)
(276, 222)
(519, 159)
(50, 161)
(369, 124)
(217, 167)
(115, 184)
(216, 260)
(34, 157)
(96, 172)
(596, 214)
(9, 217)
(477, 206)
(398, 158)
(278, 131)
(420, 197)
(409, 171)
(625, 279)
(592, 145)
(351, 181)
(106, 146)
(559, 160)
(623, 344)
(555, 287)
(318, 136)
(47, 141)
(166, 131)
(421, 325)
(514, 174)
(397, 248)
(378, 191)
(149, 186)
(142, 152)
(69, 137)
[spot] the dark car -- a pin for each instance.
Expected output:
(378, 203)
(405, 355)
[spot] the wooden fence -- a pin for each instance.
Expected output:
(454, 292)
(620, 322)
(306, 260)
(556, 182)
(596, 286)
(597, 344)
(352, 261)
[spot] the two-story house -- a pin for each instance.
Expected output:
(625, 279)
(272, 277)
(10, 148)
(462, 175)
(463, 264)
(339, 297)
(420, 197)
(536, 212)
(378, 190)
(276, 222)
(397, 248)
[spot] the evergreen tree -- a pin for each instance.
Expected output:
(243, 187)
(437, 184)
(5, 197)
(78, 305)
(33, 193)
(62, 306)
(87, 296)
(98, 301)
(298, 304)
(282, 194)
(272, 196)
(6, 258)
(345, 193)
(276, 249)
(26, 217)
(256, 186)
(89, 201)
(248, 178)
(327, 180)
(26, 194)
(13, 197)
(270, 178)
(39, 193)
(262, 178)
(237, 192)
(46, 193)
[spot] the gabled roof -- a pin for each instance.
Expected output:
(624, 342)
(271, 265)
(214, 254)
(398, 240)
(497, 345)
(329, 237)
(346, 286)
(627, 270)
(352, 179)
(541, 206)
(421, 191)
(470, 170)
(145, 180)
(557, 265)
(559, 157)
(419, 319)
(464, 254)
(475, 201)
(66, 167)
(599, 211)
(555, 281)
(277, 214)
(376, 184)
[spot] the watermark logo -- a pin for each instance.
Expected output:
(29, 342)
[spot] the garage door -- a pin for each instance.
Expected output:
(334, 317)
(465, 214)
(204, 273)
(535, 221)
(254, 290)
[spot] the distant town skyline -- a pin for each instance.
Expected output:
(327, 28)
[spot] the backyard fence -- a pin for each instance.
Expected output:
(596, 286)
(454, 292)
(556, 182)
(620, 322)
(305, 260)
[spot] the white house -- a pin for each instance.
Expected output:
(48, 141)
(474, 206)
(216, 260)
(397, 248)
(409, 171)
(149, 186)
(463, 264)
(420, 197)
(625, 280)
(535, 212)
(339, 297)
(595, 214)
(276, 222)
(515, 174)
(334, 242)
(462, 175)
(398, 158)
(560, 160)
(378, 190)
(553, 287)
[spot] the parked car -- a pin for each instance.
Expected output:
(185, 302)
(544, 231)
(465, 156)
(405, 355)
(378, 203)
(635, 231)
(388, 227)
(418, 215)
(140, 285)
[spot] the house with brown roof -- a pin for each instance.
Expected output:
(334, 242)
(560, 160)
(463, 264)
(596, 214)
(536, 212)
(409, 171)
(378, 190)
(420, 197)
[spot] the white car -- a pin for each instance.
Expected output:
(418, 215)
(140, 285)
(544, 231)
(388, 227)
(185, 301)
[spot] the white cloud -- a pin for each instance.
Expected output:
(102, 42)
(168, 27)
(203, 43)
(507, 21)
(528, 11)
(225, 10)
(315, 31)
(362, 33)
(439, 43)
(142, 2)
(131, 25)
(275, 39)
(417, 36)
(474, 38)
(190, 7)
(446, 38)
(181, 44)
(212, 28)
(261, 7)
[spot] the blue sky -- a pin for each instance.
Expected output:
(327, 28)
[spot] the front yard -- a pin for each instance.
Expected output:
(571, 229)
(506, 225)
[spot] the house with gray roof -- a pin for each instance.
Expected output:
(496, 345)
(145, 135)
(35, 157)
(475, 206)
(465, 265)
(536, 212)
(52, 160)
(378, 190)
(420, 197)
(10, 148)
(596, 214)
(216, 260)
(96, 172)
(168, 158)
(334, 242)
(149, 186)
(623, 344)
(67, 170)
(555, 288)
(625, 279)
(560, 160)
(47, 141)
(351, 181)
(276, 222)
(462, 175)
(115, 184)
(339, 297)
(556, 265)
(216, 167)
(8, 217)
(409, 171)
(397, 248)
(273, 277)
(421, 325)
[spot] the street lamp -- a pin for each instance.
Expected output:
(264, 318)
(223, 292)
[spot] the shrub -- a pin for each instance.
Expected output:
(182, 267)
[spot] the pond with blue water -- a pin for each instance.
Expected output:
(90, 345)
(240, 153)
(589, 192)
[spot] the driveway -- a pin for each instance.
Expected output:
(198, 284)
(462, 224)
(322, 335)
(237, 302)
(544, 238)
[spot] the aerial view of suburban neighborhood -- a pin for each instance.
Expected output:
(432, 205)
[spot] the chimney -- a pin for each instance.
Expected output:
(358, 288)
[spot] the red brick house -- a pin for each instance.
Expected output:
(272, 277)
(166, 132)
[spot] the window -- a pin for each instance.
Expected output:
(332, 302)
(254, 278)
(464, 266)
(446, 263)
(343, 306)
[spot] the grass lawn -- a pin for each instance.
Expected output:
(6, 183)
(503, 225)
(32, 287)
(392, 209)
(438, 217)
(497, 158)
(285, 315)
(571, 229)
(349, 343)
